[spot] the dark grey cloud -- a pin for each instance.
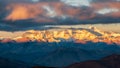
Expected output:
(18, 15)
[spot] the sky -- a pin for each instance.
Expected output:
(18, 15)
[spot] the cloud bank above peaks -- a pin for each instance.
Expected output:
(36, 12)
(60, 10)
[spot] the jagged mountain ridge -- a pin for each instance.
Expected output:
(46, 47)
(67, 35)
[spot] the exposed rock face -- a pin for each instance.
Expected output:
(112, 61)
(22, 40)
(83, 36)
(73, 35)
(6, 40)
(60, 35)
(70, 35)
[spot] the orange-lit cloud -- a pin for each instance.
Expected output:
(47, 11)
(22, 11)
(19, 13)
(31, 11)
(114, 6)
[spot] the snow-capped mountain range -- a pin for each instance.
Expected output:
(60, 47)
(81, 35)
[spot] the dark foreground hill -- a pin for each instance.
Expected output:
(112, 61)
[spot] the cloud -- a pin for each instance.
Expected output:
(35, 0)
(107, 10)
(21, 11)
(26, 13)
(53, 10)
(50, 11)
(111, 9)
(77, 3)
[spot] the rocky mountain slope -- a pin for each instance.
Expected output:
(61, 47)
(81, 35)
